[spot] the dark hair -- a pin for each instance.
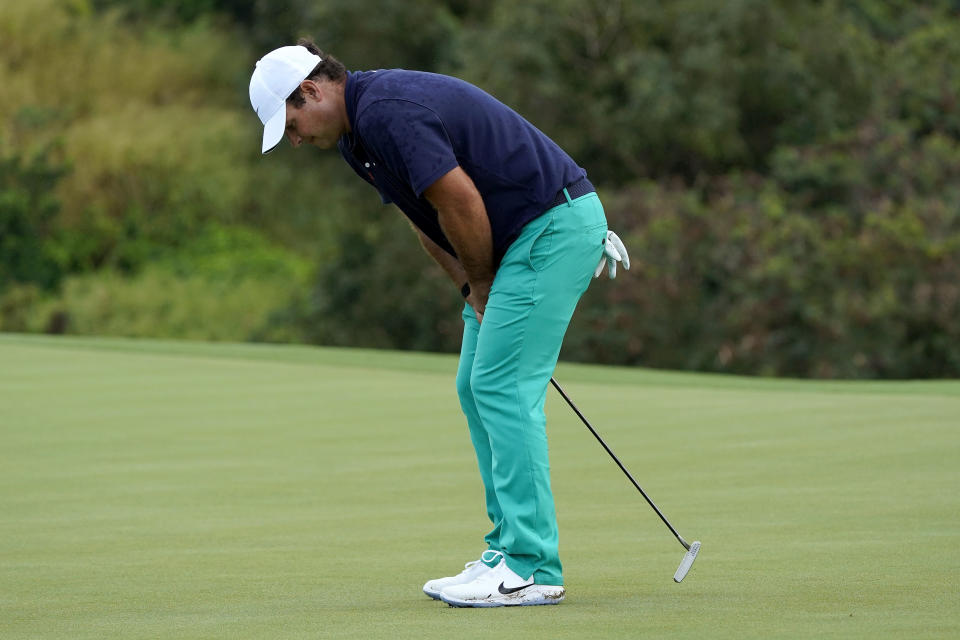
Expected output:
(328, 68)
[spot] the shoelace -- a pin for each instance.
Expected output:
(483, 558)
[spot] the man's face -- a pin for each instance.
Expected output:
(318, 121)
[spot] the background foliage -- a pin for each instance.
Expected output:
(785, 176)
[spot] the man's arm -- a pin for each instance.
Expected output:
(450, 264)
(463, 218)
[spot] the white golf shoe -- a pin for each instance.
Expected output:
(471, 571)
(501, 587)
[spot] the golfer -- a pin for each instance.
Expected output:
(518, 228)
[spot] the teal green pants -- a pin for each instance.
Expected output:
(505, 366)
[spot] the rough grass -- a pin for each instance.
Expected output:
(177, 490)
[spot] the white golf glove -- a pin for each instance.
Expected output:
(613, 252)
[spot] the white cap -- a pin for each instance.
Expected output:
(277, 75)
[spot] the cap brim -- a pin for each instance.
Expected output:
(273, 129)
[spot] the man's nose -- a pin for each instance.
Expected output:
(294, 138)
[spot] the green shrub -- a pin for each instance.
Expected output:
(752, 275)
(226, 284)
(921, 86)
(28, 206)
(148, 121)
(156, 303)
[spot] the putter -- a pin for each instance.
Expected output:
(692, 549)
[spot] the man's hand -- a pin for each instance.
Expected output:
(613, 252)
(479, 293)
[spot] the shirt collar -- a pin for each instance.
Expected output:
(351, 97)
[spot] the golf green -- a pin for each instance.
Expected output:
(174, 490)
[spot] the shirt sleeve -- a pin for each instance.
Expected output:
(410, 140)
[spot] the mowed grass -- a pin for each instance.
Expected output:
(175, 490)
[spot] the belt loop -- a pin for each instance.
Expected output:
(566, 194)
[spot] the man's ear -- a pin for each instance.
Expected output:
(310, 89)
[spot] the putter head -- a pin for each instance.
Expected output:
(687, 561)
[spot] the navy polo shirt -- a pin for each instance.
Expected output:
(410, 128)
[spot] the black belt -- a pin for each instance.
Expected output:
(576, 189)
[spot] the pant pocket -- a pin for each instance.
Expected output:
(542, 245)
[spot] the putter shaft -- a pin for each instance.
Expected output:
(596, 435)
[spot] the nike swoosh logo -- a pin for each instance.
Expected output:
(506, 591)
